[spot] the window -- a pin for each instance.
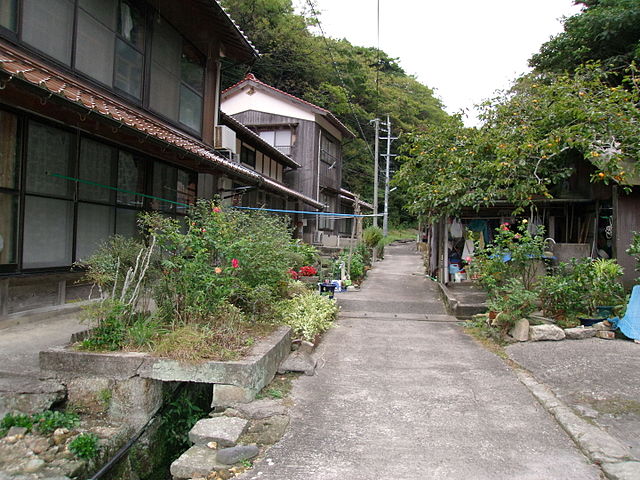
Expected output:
(9, 181)
(48, 160)
(48, 26)
(98, 166)
(8, 9)
(248, 156)
(70, 207)
(280, 139)
(177, 77)
(110, 42)
(326, 222)
(329, 149)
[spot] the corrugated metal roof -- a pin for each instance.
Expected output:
(251, 78)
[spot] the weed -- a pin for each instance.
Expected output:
(279, 387)
(105, 396)
(84, 446)
(50, 420)
(18, 420)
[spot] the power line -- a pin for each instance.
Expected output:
(342, 82)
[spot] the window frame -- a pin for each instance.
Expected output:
(75, 200)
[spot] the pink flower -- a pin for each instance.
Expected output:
(517, 236)
(216, 210)
(203, 230)
(235, 263)
(468, 259)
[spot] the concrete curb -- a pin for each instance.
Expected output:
(600, 447)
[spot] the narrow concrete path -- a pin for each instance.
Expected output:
(402, 393)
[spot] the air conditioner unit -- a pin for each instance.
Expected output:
(224, 139)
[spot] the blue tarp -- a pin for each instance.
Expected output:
(630, 323)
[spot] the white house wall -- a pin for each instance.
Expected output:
(260, 101)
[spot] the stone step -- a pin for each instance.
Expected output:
(225, 431)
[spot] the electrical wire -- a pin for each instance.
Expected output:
(340, 76)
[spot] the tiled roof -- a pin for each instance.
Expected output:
(238, 31)
(250, 77)
(16, 65)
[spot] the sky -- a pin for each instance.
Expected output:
(465, 50)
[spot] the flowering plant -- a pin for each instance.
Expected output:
(308, 271)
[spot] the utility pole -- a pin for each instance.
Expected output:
(376, 156)
(388, 138)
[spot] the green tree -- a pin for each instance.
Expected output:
(606, 31)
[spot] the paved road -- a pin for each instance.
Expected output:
(402, 393)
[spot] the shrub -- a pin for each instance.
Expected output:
(303, 254)
(513, 301)
(111, 330)
(514, 253)
(371, 236)
(634, 250)
(308, 314)
(17, 420)
(222, 256)
(84, 446)
(50, 420)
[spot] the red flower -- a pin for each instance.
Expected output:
(235, 263)
(216, 210)
(308, 271)
(293, 274)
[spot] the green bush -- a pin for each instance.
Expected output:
(308, 314)
(15, 420)
(524, 251)
(372, 236)
(50, 420)
(303, 254)
(223, 255)
(634, 251)
(512, 301)
(84, 446)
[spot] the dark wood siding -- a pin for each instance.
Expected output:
(304, 149)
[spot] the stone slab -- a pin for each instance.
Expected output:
(538, 333)
(225, 431)
(196, 462)
(579, 333)
(520, 330)
(232, 455)
(622, 470)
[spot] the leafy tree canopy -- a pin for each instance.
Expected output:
(370, 83)
(606, 31)
(529, 142)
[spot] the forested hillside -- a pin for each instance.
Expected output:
(355, 83)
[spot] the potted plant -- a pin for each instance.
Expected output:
(606, 291)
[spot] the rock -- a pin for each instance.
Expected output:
(267, 431)
(604, 326)
(11, 438)
(223, 430)
(545, 332)
(263, 408)
(607, 335)
(579, 333)
(298, 361)
(198, 461)
(39, 445)
(33, 465)
(302, 346)
(520, 330)
(17, 432)
(229, 456)
(622, 470)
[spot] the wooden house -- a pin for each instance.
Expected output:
(312, 136)
(108, 108)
